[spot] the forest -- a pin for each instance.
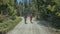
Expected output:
(8, 15)
(49, 10)
(11, 10)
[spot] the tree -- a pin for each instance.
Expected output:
(49, 9)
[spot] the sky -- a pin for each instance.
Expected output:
(21, 1)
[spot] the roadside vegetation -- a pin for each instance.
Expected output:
(8, 24)
(48, 10)
(9, 15)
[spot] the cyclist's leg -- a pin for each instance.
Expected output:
(25, 20)
(31, 20)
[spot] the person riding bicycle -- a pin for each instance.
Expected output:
(25, 17)
(31, 17)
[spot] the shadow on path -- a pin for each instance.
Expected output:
(44, 23)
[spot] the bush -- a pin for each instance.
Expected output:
(3, 18)
(9, 24)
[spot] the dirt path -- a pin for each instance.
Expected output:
(30, 28)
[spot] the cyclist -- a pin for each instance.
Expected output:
(25, 17)
(31, 17)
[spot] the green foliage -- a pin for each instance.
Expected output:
(7, 7)
(49, 10)
(58, 13)
(9, 24)
(8, 13)
(52, 8)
